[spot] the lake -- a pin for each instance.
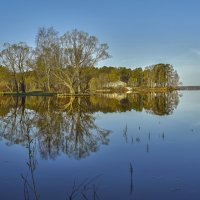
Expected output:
(110, 146)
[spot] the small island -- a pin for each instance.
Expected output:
(65, 65)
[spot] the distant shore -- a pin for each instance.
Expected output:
(188, 87)
(134, 90)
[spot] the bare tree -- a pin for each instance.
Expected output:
(47, 53)
(79, 49)
(16, 57)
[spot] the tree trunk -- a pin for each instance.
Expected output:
(23, 102)
(78, 81)
(16, 83)
(48, 84)
(23, 87)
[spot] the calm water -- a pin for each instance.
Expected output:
(107, 147)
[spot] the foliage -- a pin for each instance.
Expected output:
(17, 58)
(66, 64)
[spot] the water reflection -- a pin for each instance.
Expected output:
(153, 103)
(57, 128)
(131, 178)
(145, 152)
(67, 125)
(29, 181)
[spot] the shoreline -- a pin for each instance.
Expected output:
(134, 90)
(106, 91)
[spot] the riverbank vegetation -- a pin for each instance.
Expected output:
(66, 64)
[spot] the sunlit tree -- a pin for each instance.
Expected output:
(17, 57)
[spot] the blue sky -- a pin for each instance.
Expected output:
(138, 32)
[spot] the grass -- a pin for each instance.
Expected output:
(29, 94)
(76, 95)
(155, 89)
(42, 93)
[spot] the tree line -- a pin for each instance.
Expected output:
(67, 63)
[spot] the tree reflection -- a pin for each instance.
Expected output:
(15, 123)
(58, 125)
(67, 125)
(70, 129)
(29, 181)
(153, 103)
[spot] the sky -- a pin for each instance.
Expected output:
(139, 32)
